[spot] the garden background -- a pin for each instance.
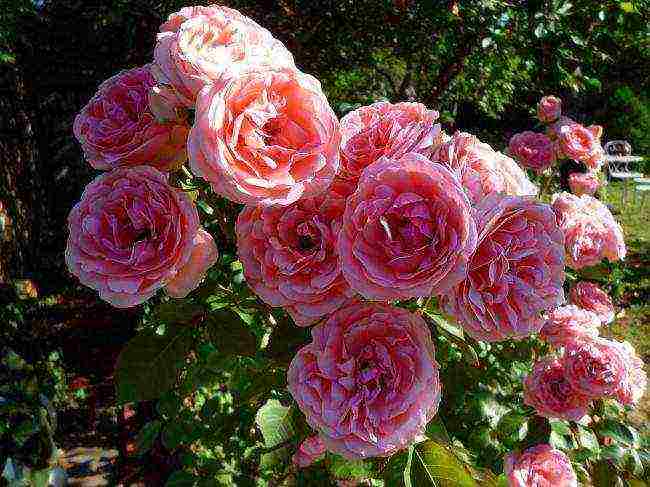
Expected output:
(482, 64)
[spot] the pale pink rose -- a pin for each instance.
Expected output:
(547, 390)
(132, 234)
(636, 382)
(515, 274)
(480, 168)
(568, 323)
(539, 466)
(118, 128)
(590, 296)
(310, 450)
(212, 45)
(590, 232)
(577, 142)
(368, 382)
(549, 109)
(408, 230)
(385, 129)
(532, 150)
(596, 368)
(269, 137)
(289, 254)
(584, 183)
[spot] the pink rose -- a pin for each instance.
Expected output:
(118, 128)
(596, 368)
(590, 232)
(584, 183)
(579, 143)
(549, 109)
(480, 169)
(515, 274)
(636, 381)
(212, 45)
(384, 129)
(532, 150)
(268, 138)
(539, 466)
(407, 231)
(547, 390)
(311, 450)
(568, 323)
(591, 297)
(132, 234)
(368, 382)
(289, 254)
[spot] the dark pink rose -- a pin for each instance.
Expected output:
(118, 128)
(311, 450)
(590, 232)
(407, 230)
(269, 138)
(568, 323)
(532, 150)
(596, 368)
(547, 390)
(590, 296)
(549, 109)
(368, 382)
(515, 274)
(584, 183)
(539, 466)
(384, 129)
(289, 254)
(132, 234)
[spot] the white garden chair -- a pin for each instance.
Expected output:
(620, 163)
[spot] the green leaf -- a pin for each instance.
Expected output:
(627, 7)
(588, 439)
(149, 364)
(612, 452)
(619, 432)
(274, 421)
(230, 334)
(147, 436)
(177, 311)
(513, 425)
(342, 468)
(181, 479)
(604, 475)
(433, 464)
(394, 472)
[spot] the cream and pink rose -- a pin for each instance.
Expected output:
(539, 466)
(584, 183)
(385, 129)
(368, 382)
(515, 274)
(212, 45)
(549, 109)
(580, 143)
(407, 231)
(547, 390)
(590, 232)
(132, 234)
(636, 382)
(590, 296)
(118, 128)
(289, 254)
(310, 450)
(568, 323)
(269, 138)
(532, 150)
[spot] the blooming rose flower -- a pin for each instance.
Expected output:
(407, 230)
(368, 382)
(132, 234)
(590, 232)
(212, 45)
(311, 450)
(268, 138)
(549, 109)
(547, 390)
(289, 254)
(539, 466)
(636, 382)
(384, 129)
(480, 169)
(118, 128)
(584, 183)
(591, 297)
(532, 150)
(596, 368)
(568, 323)
(515, 274)
(580, 143)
